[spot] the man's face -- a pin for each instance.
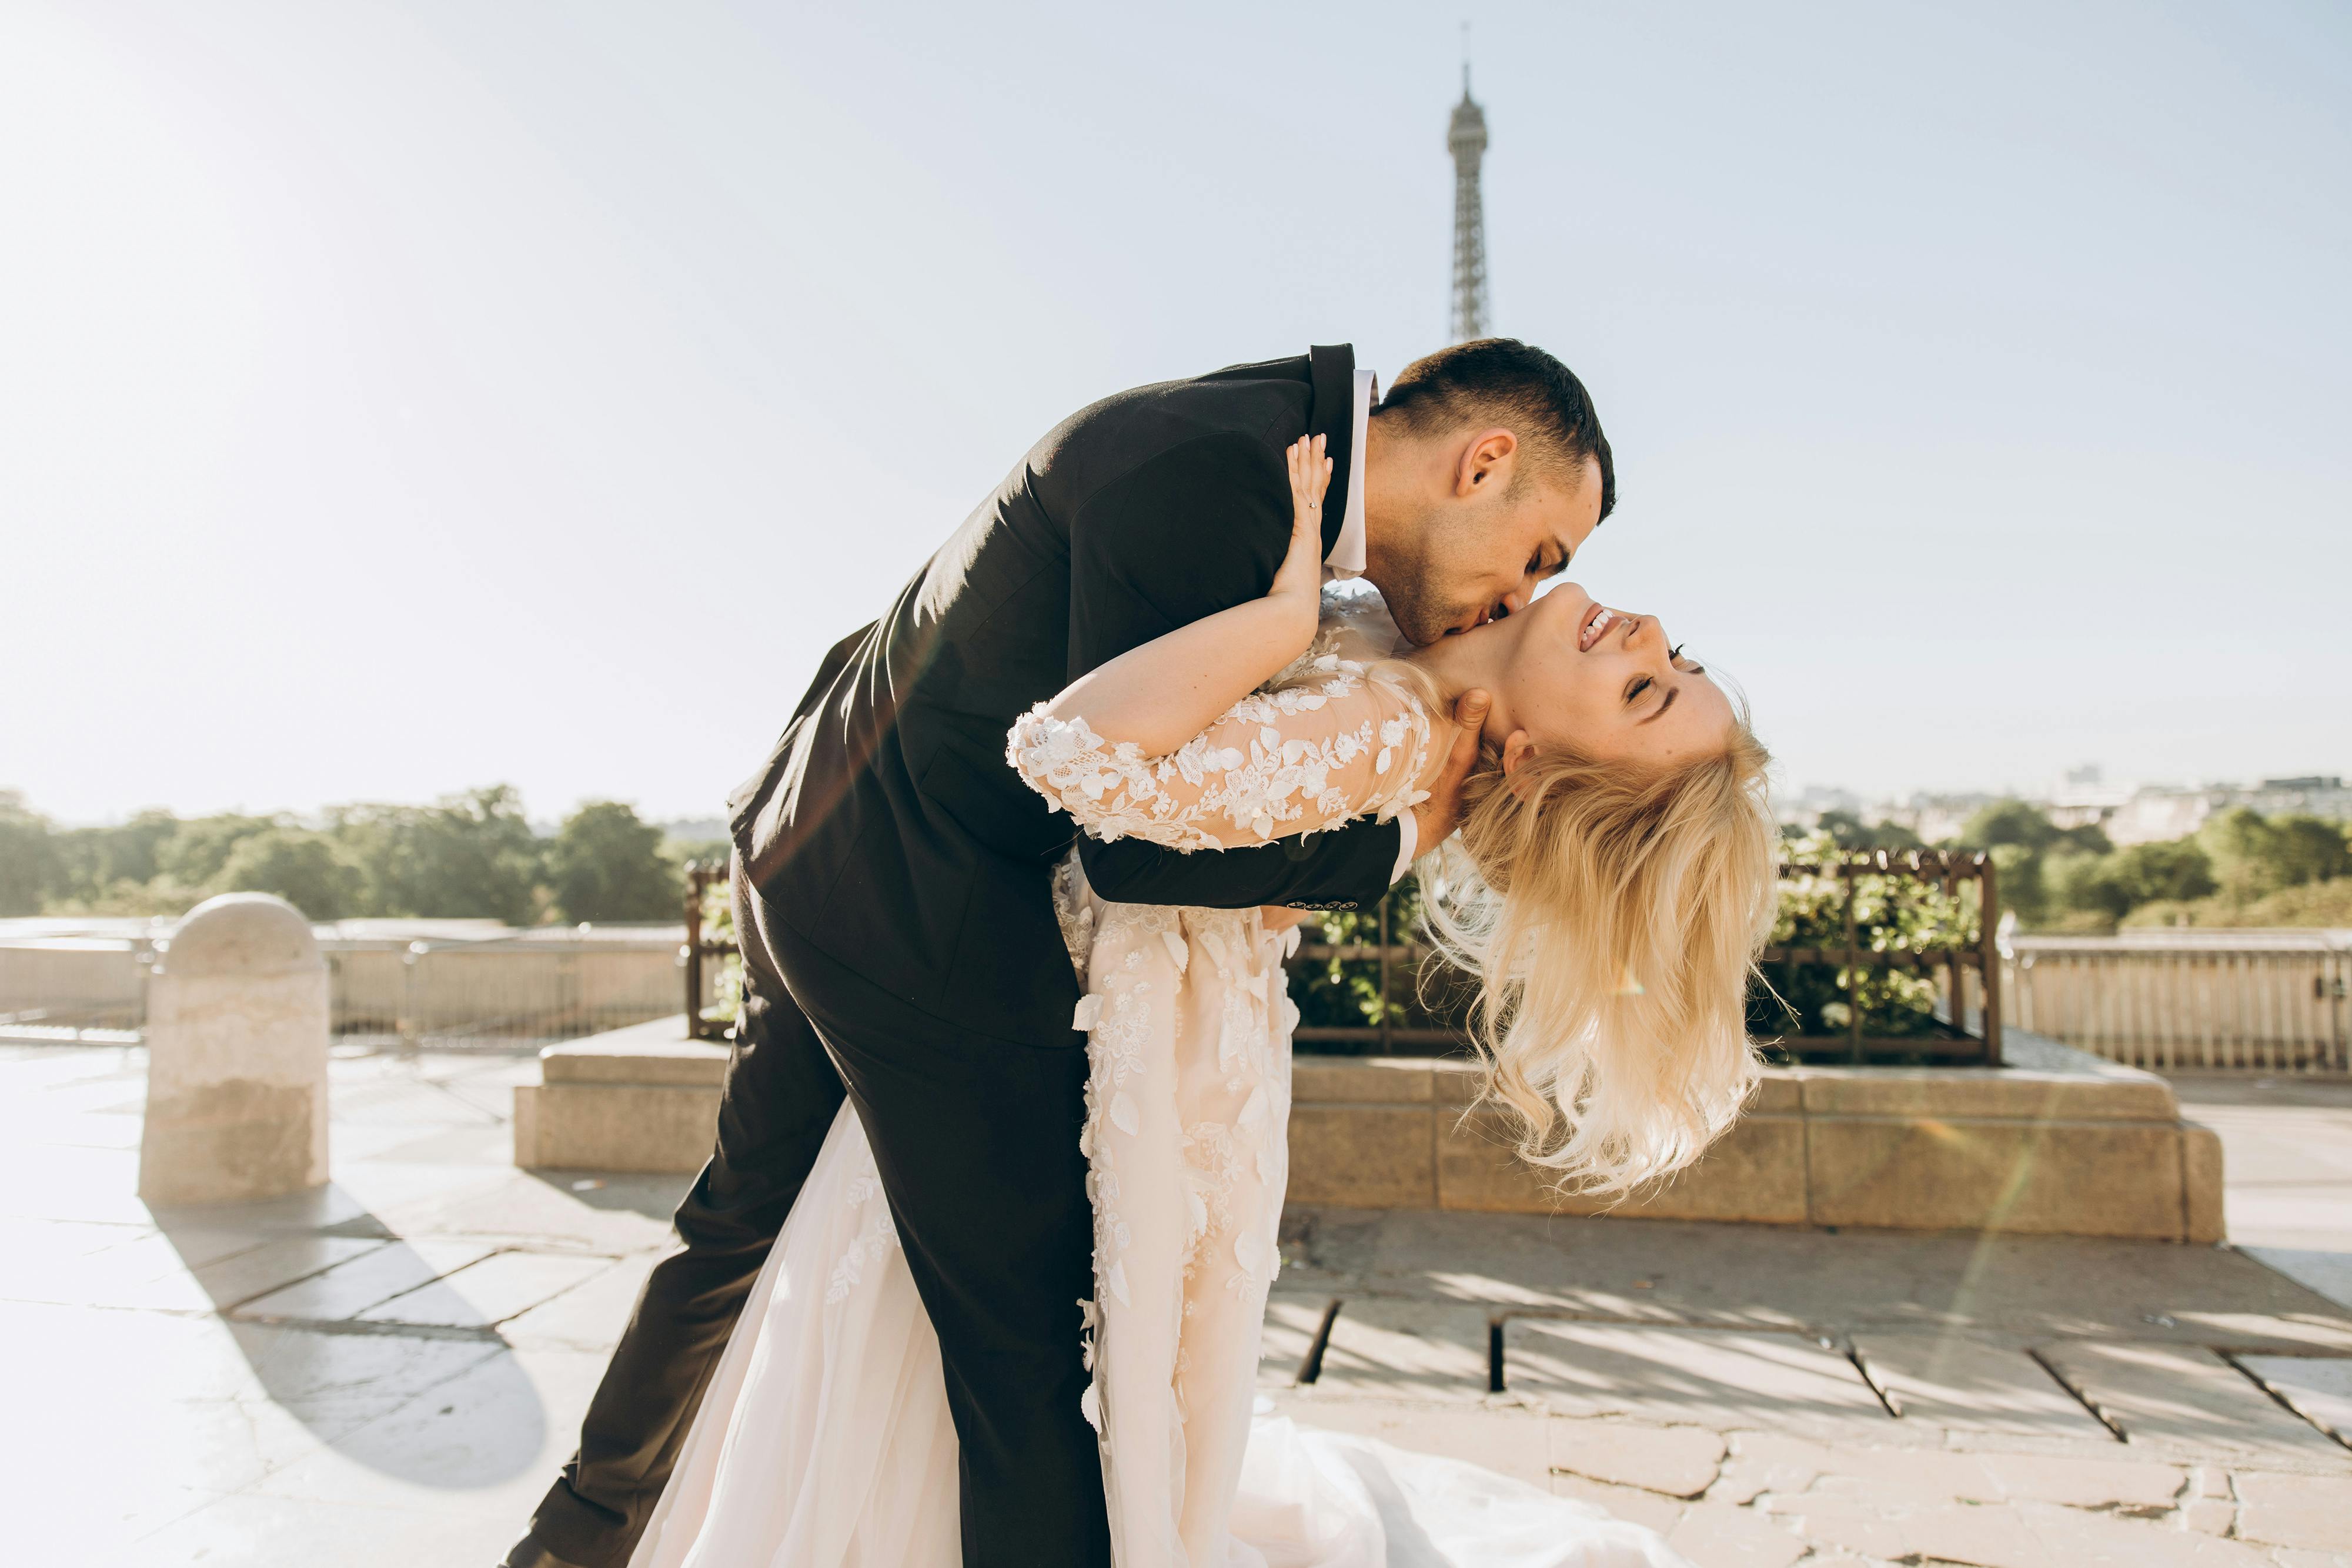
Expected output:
(1460, 561)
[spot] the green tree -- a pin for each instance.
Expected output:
(194, 855)
(2112, 885)
(98, 863)
(28, 860)
(470, 856)
(2020, 838)
(2309, 850)
(306, 869)
(1851, 833)
(606, 864)
(2009, 822)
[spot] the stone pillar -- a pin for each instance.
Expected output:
(236, 1056)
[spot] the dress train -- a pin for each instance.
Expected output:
(824, 1440)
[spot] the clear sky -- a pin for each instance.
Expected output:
(396, 398)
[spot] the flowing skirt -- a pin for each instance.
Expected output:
(824, 1440)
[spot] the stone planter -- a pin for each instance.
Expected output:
(2056, 1143)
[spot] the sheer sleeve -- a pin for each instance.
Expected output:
(1323, 745)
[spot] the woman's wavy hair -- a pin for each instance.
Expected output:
(1614, 915)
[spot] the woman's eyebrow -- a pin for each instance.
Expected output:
(1671, 693)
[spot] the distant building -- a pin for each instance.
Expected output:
(2154, 813)
(1937, 819)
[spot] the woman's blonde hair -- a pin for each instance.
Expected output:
(1613, 915)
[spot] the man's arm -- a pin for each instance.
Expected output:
(1194, 531)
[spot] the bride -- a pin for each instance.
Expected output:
(1619, 883)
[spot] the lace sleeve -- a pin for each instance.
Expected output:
(1324, 742)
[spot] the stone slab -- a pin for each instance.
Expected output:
(260, 1270)
(1372, 1080)
(2317, 1388)
(2100, 1179)
(616, 1059)
(2311, 1513)
(2003, 1535)
(1680, 1377)
(482, 1442)
(1673, 1462)
(348, 1288)
(1714, 1535)
(499, 1287)
(2204, 1219)
(1364, 1156)
(2068, 1086)
(655, 1128)
(2185, 1399)
(1406, 1350)
(1755, 1172)
(588, 1316)
(1946, 1380)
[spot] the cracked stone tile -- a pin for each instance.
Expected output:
(348, 1288)
(492, 1291)
(276, 1264)
(2314, 1513)
(1675, 1461)
(1716, 1535)
(2007, 1535)
(1406, 1350)
(588, 1316)
(1675, 1376)
(2319, 1389)
(2188, 1400)
(486, 1441)
(1629, 1503)
(255, 1529)
(627, 1214)
(2134, 1484)
(1966, 1385)
(1772, 1462)
(2209, 1515)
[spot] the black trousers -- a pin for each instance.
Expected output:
(977, 1141)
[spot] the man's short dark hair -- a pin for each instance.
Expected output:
(1501, 381)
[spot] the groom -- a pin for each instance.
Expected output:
(891, 881)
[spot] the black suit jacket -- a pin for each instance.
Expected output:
(886, 827)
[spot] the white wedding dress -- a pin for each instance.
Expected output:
(824, 1439)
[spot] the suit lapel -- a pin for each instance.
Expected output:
(1331, 369)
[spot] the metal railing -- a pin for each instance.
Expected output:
(710, 999)
(1966, 966)
(2268, 1001)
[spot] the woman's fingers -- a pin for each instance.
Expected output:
(1310, 479)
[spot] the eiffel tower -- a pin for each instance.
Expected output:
(1466, 138)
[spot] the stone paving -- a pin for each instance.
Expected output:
(389, 1371)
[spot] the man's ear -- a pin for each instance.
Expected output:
(1485, 467)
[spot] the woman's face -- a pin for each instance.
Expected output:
(1604, 682)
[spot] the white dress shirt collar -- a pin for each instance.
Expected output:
(1346, 558)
